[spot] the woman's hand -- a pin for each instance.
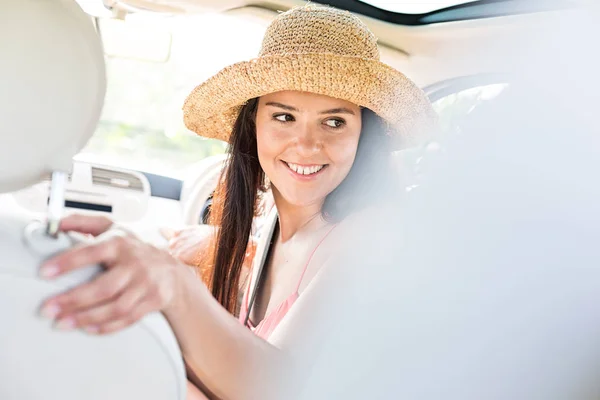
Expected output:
(190, 244)
(139, 279)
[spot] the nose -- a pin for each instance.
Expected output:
(308, 140)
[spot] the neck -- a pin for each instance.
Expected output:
(294, 219)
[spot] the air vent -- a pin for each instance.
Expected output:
(116, 179)
(48, 177)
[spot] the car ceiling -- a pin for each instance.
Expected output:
(428, 52)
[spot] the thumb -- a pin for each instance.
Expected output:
(167, 233)
(88, 224)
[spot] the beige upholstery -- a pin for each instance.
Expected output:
(51, 91)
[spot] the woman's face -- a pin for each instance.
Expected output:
(306, 143)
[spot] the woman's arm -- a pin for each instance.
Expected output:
(192, 246)
(225, 356)
(139, 278)
(193, 393)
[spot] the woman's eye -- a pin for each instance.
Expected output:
(334, 123)
(284, 117)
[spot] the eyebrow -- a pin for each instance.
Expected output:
(285, 107)
(339, 110)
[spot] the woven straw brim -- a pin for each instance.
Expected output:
(212, 108)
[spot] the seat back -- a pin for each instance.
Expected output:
(52, 85)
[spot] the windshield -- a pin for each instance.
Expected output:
(148, 79)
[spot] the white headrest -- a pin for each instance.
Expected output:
(52, 85)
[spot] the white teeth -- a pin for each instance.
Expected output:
(305, 170)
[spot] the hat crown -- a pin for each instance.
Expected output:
(315, 29)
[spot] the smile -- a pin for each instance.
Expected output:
(305, 170)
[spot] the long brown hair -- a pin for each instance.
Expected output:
(235, 201)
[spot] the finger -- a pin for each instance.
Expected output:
(104, 253)
(167, 233)
(175, 244)
(142, 309)
(113, 310)
(89, 224)
(102, 289)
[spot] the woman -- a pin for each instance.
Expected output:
(314, 118)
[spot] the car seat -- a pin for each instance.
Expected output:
(52, 87)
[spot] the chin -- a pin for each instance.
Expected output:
(304, 202)
(303, 199)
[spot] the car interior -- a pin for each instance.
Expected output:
(144, 169)
(94, 100)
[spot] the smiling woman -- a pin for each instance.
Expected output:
(309, 138)
(312, 118)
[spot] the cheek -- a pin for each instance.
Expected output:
(343, 152)
(262, 138)
(268, 145)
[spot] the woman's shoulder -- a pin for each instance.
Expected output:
(372, 214)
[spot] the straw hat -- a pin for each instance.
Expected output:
(314, 49)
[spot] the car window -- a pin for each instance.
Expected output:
(141, 126)
(453, 105)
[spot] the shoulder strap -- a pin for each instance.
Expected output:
(311, 256)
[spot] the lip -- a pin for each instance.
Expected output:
(302, 177)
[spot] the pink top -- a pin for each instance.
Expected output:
(273, 318)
